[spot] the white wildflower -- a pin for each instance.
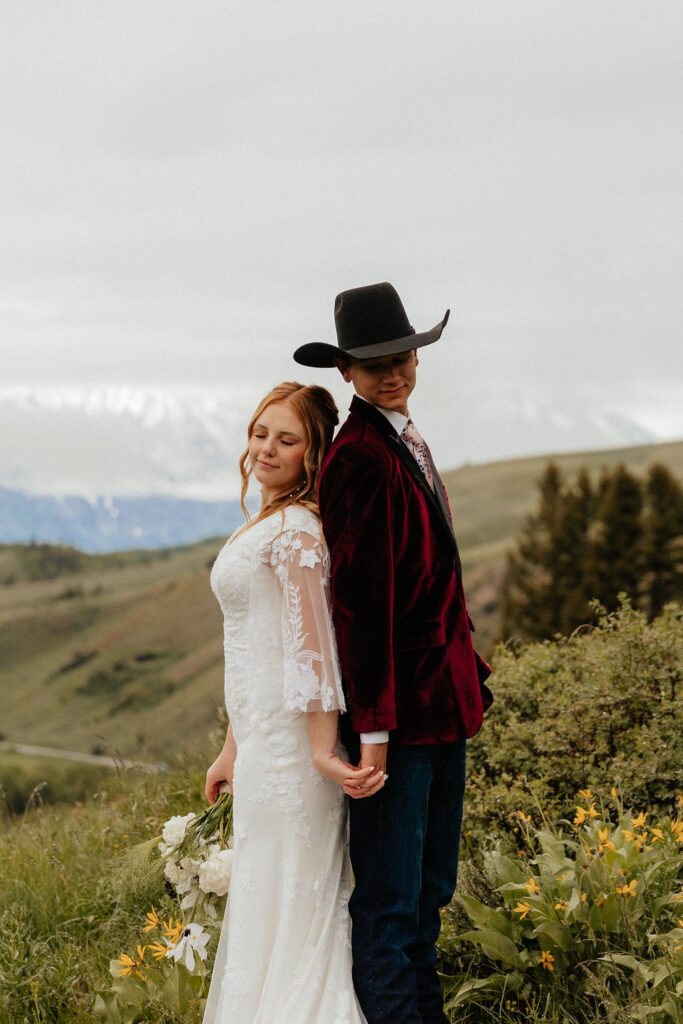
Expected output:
(193, 939)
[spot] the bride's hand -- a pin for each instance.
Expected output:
(356, 782)
(222, 770)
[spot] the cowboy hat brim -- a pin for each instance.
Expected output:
(319, 354)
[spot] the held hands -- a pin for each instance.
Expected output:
(357, 782)
(365, 780)
(373, 760)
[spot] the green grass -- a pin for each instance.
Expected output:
(29, 780)
(70, 901)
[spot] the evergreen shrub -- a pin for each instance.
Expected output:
(601, 707)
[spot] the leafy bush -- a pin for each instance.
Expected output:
(586, 919)
(604, 704)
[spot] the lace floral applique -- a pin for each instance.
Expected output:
(292, 889)
(301, 564)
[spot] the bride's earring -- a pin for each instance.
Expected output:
(296, 490)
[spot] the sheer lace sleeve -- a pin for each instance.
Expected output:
(311, 667)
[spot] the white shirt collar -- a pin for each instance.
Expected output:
(397, 419)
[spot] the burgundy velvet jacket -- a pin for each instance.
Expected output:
(402, 626)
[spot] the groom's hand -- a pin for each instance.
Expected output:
(373, 754)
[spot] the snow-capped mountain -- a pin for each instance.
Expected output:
(100, 441)
(115, 467)
(121, 440)
(113, 523)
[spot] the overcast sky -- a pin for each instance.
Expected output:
(185, 186)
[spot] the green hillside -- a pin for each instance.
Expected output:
(124, 653)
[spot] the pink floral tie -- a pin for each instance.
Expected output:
(413, 438)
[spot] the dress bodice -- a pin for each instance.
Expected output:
(272, 582)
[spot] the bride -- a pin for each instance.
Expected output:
(284, 954)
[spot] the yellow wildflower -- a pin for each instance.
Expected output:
(657, 833)
(153, 920)
(679, 895)
(592, 813)
(561, 878)
(600, 902)
(639, 822)
(158, 949)
(172, 929)
(586, 794)
(605, 843)
(629, 836)
(532, 886)
(627, 890)
(613, 792)
(522, 909)
(562, 905)
(546, 960)
(580, 816)
(584, 897)
(677, 829)
(129, 965)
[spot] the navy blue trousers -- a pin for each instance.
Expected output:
(404, 851)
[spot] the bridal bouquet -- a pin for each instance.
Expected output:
(198, 859)
(167, 969)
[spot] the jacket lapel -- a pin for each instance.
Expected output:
(435, 497)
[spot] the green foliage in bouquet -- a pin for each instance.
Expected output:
(585, 920)
(604, 704)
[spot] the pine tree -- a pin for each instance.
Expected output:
(614, 561)
(574, 523)
(663, 540)
(531, 598)
(584, 543)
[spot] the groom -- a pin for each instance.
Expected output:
(414, 684)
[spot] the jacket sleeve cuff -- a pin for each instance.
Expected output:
(382, 736)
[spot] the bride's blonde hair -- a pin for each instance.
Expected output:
(318, 413)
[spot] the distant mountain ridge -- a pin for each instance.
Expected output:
(111, 523)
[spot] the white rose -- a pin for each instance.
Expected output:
(174, 831)
(215, 873)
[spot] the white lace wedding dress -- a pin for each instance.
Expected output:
(284, 955)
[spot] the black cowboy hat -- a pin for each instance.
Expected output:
(371, 322)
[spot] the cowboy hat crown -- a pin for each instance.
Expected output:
(371, 322)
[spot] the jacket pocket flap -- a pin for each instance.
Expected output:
(424, 634)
